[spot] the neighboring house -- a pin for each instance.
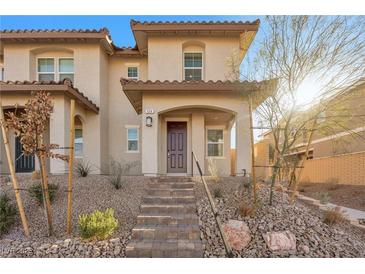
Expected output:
(153, 104)
(337, 149)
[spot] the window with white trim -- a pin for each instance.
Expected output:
(133, 73)
(215, 143)
(66, 68)
(79, 142)
(132, 139)
(55, 69)
(193, 66)
(46, 69)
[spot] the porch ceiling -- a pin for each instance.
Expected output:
(64, 86)
(134, 89)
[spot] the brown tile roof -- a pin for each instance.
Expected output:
(210, 22)
(51, 86)
(102, 30)
(134, 89)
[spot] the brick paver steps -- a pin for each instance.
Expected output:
(168, 224)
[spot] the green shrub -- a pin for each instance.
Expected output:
(7, 214)
(218, 193)
(97, 225)
(323, 197)
(332, 183)
(82, 168)
(36, 192)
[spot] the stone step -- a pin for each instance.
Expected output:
(172, 219)
(165, 249)
(166, 232)
(171, 185)
(170, 192)
(148, 200)
(168, 209)
(173, 179)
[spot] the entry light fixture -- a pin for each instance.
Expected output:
(149, 121)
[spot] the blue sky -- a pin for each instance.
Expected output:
(117, 25)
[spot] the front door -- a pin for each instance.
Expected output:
(176, 147)
(23, 163)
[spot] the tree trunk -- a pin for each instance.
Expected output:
(296, 182)
(70, 167)
(45, 192)
(273, 179)
(12, 173)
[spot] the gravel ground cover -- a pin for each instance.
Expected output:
(89, 193)
(313, 237)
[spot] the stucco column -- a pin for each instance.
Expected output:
(58, 132)
(150, 146)
(243, 147)
(198, 140)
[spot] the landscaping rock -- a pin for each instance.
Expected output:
(238, 234)
(280, 241)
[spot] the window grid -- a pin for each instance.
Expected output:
(133, 142)
(55, 74)
(193, 66)
(219, 144)
(133, 73)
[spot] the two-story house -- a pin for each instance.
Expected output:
(171, 95)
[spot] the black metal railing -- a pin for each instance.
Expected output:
(214, 209)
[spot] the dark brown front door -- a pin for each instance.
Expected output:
(176, 147)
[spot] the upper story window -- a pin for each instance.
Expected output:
(215, 142)
(193, 66)
(52, 69)
(133, 73)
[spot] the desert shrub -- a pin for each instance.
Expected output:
(246, 210)
(245, 185)
(323, 197)
(217, 193)
(332, 183)
(82, 168)
(97, 225)
(118, 171)
(213, 170)
(7, 214)
(333, 216)
(35, 191)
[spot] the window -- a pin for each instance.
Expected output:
(66, 68)
(132, 139)
(215, 142)
(79, 142)
(46, 69)
(51, 69)
(193, 66)
(133, 73)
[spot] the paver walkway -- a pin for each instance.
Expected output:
(168, 224)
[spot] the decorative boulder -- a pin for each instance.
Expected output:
(280, 241)
(237, 233)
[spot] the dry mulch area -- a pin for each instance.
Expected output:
(314, 238)
(90, 193)
(352, 196)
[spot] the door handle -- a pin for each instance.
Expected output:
(168, 153)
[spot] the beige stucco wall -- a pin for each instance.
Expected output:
(121, 112)
(166, 54)
(91, 78)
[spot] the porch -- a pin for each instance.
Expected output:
(179, 118)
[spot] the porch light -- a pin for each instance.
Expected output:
(149, 121)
